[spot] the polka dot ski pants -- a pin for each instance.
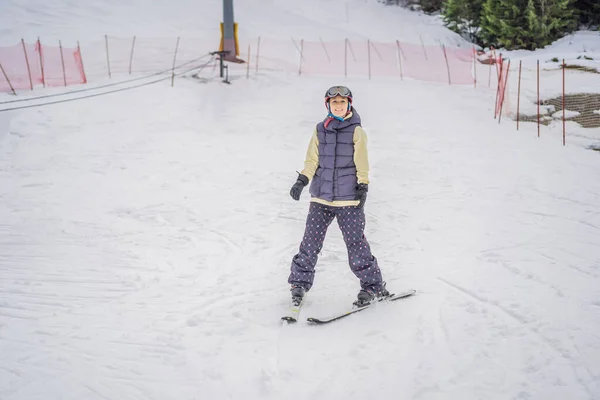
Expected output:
(351, 221)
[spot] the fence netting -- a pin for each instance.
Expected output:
(30, 65)
(27, 65)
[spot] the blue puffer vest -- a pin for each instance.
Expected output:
(335, 178)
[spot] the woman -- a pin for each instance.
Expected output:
(338, 164)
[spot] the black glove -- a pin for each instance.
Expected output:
(298, 186)
(361, 194)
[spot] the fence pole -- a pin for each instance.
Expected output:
(301, 56)
(474, 67)
(563, 104)
(504, 90)
(325, 48)
(107, 57)
(447, 64)
(498, 89)
(131, 56)
(376, 51)
(257, 53)
(27, 62)
(492, 61)
(399, 59)
(345, 57)
(401, 51)
(423, 46)
(248, 68)
(351, 50)
(369, 55)
(295, 44)
(41, 62)
(174, 61)
(538, 97)
(81, 60)
(490, 74)
(519, 93)
(8, 80)
(62, 60)
(497, 70)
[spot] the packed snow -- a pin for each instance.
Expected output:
(146, 235)
(568, 114)
(580, 48)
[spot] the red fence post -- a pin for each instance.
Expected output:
(505, 80)
(301, 56)
(81, 61)
(398, 50)
(401, 51)
(131, 56)
(325, 48)
(257, 53)
(500, 68)
(346, 57)
(62, 59)
(377, 51)
(447, 64)
(8, 80)
(248, 66)
(174, 60)
(492, 61)
(107, 57)
(474, 67)
(27, 61)
(41, 62)
(538, 97)
(519, 93)
(423, 46)
(563, 103)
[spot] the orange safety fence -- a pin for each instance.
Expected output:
(365, 58)
(347, 57)
(25, 66)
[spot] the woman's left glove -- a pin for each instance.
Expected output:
(361, 194)
(298, 186)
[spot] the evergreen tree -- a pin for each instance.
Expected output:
(526, 24)
(463, 17)
(427, 6)
(502, 22)
(556, 17)
(430, 6)
(589, 12)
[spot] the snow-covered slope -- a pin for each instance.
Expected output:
(581, 47)
(329, 19)
(146, 236)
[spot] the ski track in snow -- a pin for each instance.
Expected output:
(139, 263)
(522, 321)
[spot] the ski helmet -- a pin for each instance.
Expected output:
(338, 91)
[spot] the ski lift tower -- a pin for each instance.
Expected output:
(229, 48)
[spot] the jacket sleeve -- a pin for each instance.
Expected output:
(361, 155)
(311, 162)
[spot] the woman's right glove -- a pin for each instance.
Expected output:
(298, 186)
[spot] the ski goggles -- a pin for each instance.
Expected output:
(338, 91)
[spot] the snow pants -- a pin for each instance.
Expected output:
(351, 221)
